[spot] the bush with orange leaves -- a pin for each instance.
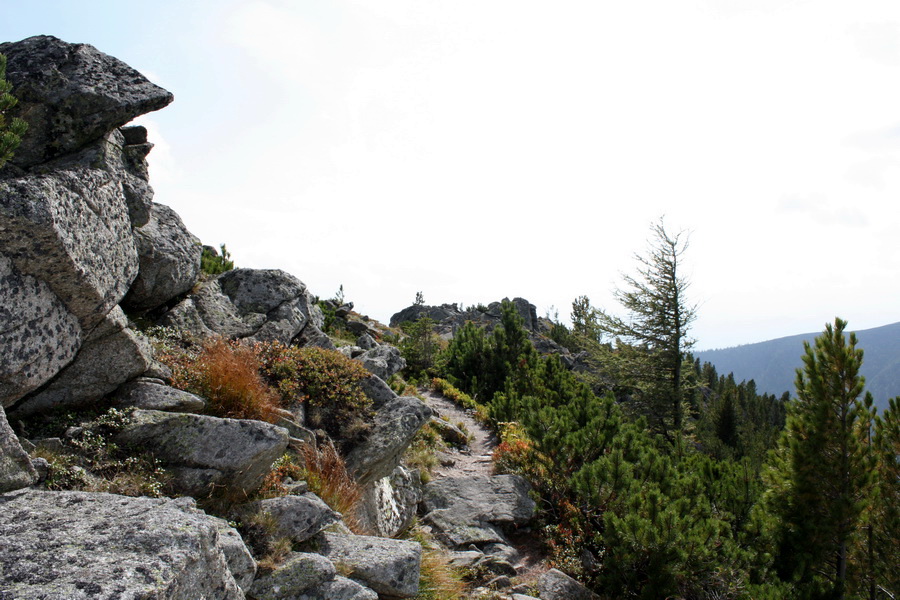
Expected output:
(228, 376)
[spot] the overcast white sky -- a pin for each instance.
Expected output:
(473, 150)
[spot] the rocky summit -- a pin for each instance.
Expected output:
(93, 405)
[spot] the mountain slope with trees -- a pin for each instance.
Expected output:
(773, 364)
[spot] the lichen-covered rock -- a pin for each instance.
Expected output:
(467, 510)
(153, 394)
(169, 258)
(379, 392)
(243, 450)
(110, 356)
(39, 336)
(388, 505)
(81, 545)
(395, 425)
(382, 361)
(237, 556)
(297, 517)
(71, 94)
(16, 469)
(300, 572)
(339, 588)
(389, 567)
(70, 229)
(260, 305)
(556, 585)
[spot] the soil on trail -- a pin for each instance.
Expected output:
(477, 460)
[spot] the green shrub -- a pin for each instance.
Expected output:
(213, 263)
(11, 131)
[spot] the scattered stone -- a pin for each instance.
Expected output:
(340, 588)
(72, 94)
(16, 468)
(462, 559)
(377, 390)
(449, 432)
(388, 505)
(556, 585)
(382, 361)
(169, 258)
(237, 556)
(243, 450)
(501, 582)
(366, 342)
(389, 567)
(153, 394)
(300, 572)
(297, 517)
(396, 423)
(80, 545)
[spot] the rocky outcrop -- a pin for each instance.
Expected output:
(16, 470)
(72, 94)
(389, 567)
(396, 423)
(169, 258)
(382, 361)
(242, 450)
(79, 545)
(252, 304)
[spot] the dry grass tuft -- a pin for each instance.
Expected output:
(231, 383)
(438, 579)
(327, 477)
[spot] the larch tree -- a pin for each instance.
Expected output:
(653, 338)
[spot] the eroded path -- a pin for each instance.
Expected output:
(477, 460)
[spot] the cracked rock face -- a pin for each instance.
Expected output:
(253, 304)
(72, 94)
(81, 545)
(389, 567)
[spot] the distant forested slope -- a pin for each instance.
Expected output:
(773, 364)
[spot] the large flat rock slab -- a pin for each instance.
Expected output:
(81, 545)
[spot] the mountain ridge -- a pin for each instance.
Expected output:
(772, 364)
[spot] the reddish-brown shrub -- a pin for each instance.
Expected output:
(229, 379)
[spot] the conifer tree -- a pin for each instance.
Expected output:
(11, 129)
(653, 338)
(822, 480)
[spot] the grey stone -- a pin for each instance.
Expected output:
(16, 469)
(389, 567)
(70, 229)
(109, 357)
(312, 336)
(382, 361)
(260, 305)
(449, 432)
(377, 390)
(153, 394)
(500, 582)
(462, 559)
(169, 258)
(502, 551)
(297, 517)
(195, 482)
(243, 450)
(388, 505)
(39, 336)
(339, 588)
(494, 565)
(366, 342)
(556, 585)
(237, 556)
(80, 545)
(522, 597)
(71, 94)
(395, 425)
(467, 510)
(300, 572)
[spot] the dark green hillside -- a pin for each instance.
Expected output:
(773, 364)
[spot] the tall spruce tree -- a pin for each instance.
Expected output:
(822, 476)
(653, 338)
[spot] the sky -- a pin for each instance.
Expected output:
(476, 150)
